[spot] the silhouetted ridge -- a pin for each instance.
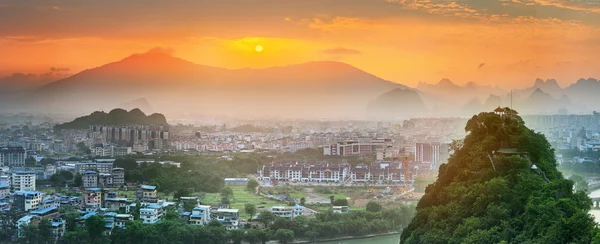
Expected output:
(116, 116)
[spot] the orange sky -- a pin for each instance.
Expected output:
(503, 42)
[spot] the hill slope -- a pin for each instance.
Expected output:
(397, 102)
(114, 117)
(174, 84)
(484, 196)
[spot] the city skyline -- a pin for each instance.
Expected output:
(504, 43)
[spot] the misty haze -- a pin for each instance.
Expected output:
(331, 121)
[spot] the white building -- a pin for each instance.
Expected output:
(149, 215)
(288, 212)
(228, 217)
(200, 215)
(22, 181)
(27, 200)
(4, 191)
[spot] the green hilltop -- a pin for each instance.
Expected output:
(501, 185)
(114, 117)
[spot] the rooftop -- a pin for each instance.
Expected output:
(148, 187)
(43, 211)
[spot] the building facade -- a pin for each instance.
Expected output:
(12, 156)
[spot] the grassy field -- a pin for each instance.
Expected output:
(240, 198)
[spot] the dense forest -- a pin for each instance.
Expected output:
(114, 117)
(514, 195)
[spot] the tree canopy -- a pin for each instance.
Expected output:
(486, 196)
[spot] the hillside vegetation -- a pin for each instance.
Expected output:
(485, 196)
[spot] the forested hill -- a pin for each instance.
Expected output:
(114, 117)
(501, 185)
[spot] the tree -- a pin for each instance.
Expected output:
(340, 202)
(251, 185)
(580, 183)
(44, 232)
(95, 226)
(250, 209)
(284, 236)
(183, 192)
(78, 181)
(237, 236)
(82, 148)
(266, 218)
(60, 178)
(252, 236)
(30, 161)
(488, 195)
(373, 206)
(302, 201)
(127, 163)
(226, 195)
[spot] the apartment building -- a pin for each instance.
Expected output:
(90, 179)
(118, 177)
(149, 215)
(358, 147)
(4, 191)
(12, 156)
(431, 152)
(379, 172)
(22, 180)
(200, 215)
(100, 167)
(147, 193)
(27, 200)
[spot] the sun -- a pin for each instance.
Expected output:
(258, 48)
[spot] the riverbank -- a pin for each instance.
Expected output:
(348, 238)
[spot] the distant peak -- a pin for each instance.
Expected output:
(445, 81)
(538, 82)
(538, 90)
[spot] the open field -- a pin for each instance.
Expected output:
(240, 198)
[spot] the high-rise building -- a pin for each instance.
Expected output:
(431, 152)
(12, 156)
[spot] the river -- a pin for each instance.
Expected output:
(391, 239)
(394, 239)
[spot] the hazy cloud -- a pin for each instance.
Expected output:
(341, 51)
(162, 50)
(54, 69)
(481, 65)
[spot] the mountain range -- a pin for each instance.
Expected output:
(314, 89)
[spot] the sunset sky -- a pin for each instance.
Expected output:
(504, 42)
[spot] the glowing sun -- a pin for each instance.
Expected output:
(258, 48)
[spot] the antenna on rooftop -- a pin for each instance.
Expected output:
(511, 99)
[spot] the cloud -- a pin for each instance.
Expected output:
(162, 50)
(54, 69)
(341, 51)
(481, 65)
(579, 5)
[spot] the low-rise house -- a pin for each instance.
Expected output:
(288, 212)
(46, 213)
(122, 219)
(200, 215)
(340, 209)
(149, 215)
(25, 220)
(236, 181)
(92, 195)
(147, 193)
(115, 204)
(228, 217)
